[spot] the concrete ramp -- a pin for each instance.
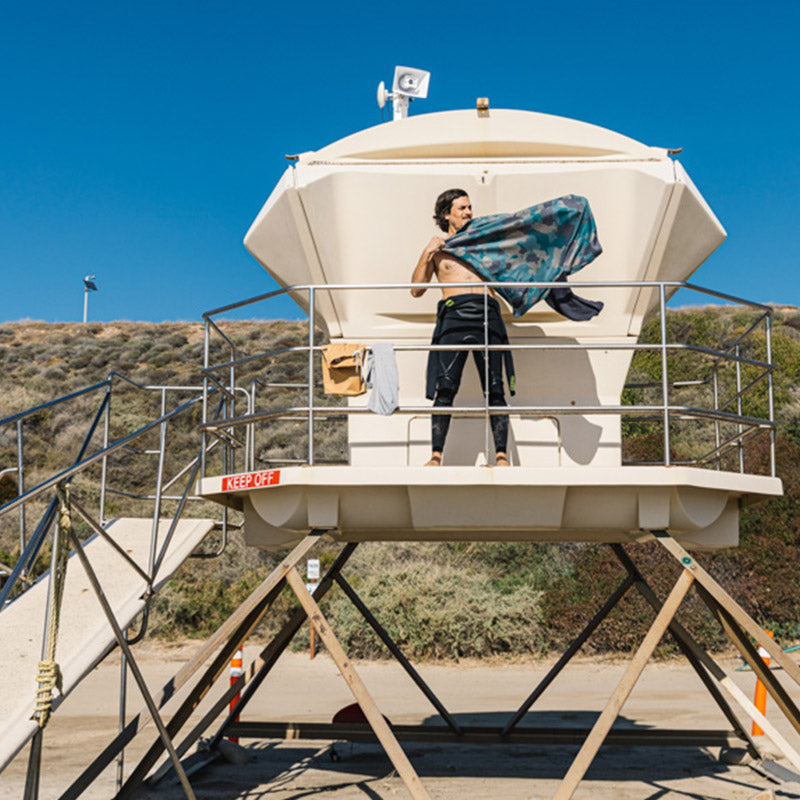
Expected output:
(84, 635)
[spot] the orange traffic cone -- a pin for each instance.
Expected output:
(760, 699)
(236, 672)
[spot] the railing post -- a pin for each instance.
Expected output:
(104, 463)
(204, 435)
(123, 694)
(232, 410)
(487, 417)
(20, 486)
(311, 313)
(715, 384)
(770, 391)
(740, 427)
(662, 296)
(252, 426)
(159, 483)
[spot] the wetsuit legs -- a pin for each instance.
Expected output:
(497, 397)
(452, 366)
(447, 387)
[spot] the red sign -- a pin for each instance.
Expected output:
(251, 480)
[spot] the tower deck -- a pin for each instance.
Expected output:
(699, 507)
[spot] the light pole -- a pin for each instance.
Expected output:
(88, 286)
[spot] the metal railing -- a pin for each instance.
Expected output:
(724, 369)
(30, 546)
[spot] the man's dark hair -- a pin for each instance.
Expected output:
(444, 202)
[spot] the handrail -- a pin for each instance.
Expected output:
(304, 287)
(42, 406)
(528, 346)
(632, 410)
(667, 409)
(92, 459)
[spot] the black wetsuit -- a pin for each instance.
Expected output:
(460, 320)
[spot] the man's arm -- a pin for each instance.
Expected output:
(423, 272)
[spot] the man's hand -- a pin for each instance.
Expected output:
(423, 272)
(434, 246)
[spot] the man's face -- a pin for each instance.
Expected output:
(460, 213)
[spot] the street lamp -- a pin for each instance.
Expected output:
(88, 286)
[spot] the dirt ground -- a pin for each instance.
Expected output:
(669, 695)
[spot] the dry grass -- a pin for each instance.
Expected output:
(437, 601)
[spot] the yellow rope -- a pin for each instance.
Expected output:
(49, 676)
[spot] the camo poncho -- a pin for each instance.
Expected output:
(545, 242)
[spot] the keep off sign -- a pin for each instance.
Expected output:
(251, 480)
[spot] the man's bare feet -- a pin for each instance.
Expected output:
(501, 460)
(436, 460)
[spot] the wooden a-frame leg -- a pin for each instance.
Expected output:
(273, 582)
(257, 671)
(359, 690)
(737, 613)
(729, 604)
(706, 668)
(390, 644)
(606, 719)
(751, 656)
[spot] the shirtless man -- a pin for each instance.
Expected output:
(460, 320)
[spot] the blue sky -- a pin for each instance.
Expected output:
(138, 141)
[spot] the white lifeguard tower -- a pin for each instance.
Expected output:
(341, 232)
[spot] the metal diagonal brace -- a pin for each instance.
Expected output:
(380, 631)
(576, 645)
(359, 690)
(83, 514)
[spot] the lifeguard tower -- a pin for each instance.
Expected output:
(340, 234)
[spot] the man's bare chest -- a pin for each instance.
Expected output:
(449, 269)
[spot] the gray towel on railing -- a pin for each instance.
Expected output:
(382, 379)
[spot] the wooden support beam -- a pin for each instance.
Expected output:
(702, 663)
(751, 656)
(272, 584)
(729, 604)
(357, 687)
(256, 672)
(726, 682)
(606, 719)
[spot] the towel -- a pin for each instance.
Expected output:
(545, 242)
(382, 379)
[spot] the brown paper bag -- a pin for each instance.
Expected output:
(342, 368)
